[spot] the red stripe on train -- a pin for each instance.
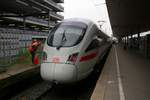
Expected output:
(89, 56)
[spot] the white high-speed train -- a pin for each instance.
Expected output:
(71, 50)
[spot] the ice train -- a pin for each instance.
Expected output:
(71, 50)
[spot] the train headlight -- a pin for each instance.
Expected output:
(73, 58)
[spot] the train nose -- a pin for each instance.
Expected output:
(62, 73)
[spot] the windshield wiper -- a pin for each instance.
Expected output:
(63, 40)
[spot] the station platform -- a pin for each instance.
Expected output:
(125, 76)
(14, 75)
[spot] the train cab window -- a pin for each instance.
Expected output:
(67, 34)
(93, 45)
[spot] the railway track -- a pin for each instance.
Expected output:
(34, 92)
(43, 90)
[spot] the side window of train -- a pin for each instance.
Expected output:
(93, 45)
(103, 41)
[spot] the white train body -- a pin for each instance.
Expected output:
(71, 50)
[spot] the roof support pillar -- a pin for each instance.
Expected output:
(49, 18)
(24, 24)
(131, 36)
(131, 40)
(125, 42)
(138, 40)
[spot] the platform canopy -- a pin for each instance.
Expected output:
(18, 7)
(129, 16)
(27, 7)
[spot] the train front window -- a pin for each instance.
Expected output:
(67, 34)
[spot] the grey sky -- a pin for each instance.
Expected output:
(92, 9)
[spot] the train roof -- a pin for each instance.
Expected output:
(86, 21)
